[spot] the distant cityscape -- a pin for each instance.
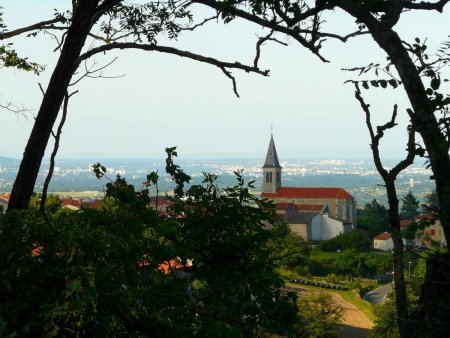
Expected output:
(359, 178)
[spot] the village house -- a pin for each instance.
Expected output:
(383, 242)
(432, 234)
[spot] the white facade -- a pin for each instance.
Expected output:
(383, 244)
(327, 228)
(319, 227)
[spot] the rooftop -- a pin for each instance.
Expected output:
(291, 192)
(383, 236)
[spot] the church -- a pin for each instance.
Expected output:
(316, 214)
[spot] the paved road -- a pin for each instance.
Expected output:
(378, 296)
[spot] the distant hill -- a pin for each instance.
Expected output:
(8, 162)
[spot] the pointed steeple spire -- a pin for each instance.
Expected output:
(272, 157)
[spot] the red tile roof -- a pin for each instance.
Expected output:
(429, 215)
(168, 266)
(404, 223)
(290, 192)
(301, 207)
(5, 196)
(383, 236)
(78, 203)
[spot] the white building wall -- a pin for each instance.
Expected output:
(385, 245)
(326, 228)
(300, 229)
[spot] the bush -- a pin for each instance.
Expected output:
(356, 240)
(101, 271)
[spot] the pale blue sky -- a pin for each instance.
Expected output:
(164, 100)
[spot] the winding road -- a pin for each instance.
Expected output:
(378, 296)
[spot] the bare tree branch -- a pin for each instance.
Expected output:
(170, 50)
(57, 137)
(174, 51)
(233, 80)
(11, 107)
(272, 24)
(259, 44)
(373, 137)
(89, 71)
(389, 177)
(37, 26)
(200, 23)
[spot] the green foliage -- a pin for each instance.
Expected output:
(373, 218)
(100, 270)
(145, 21)
(320, 316)
(386, 315)
(356, 240)
(10, 59)
(431, 202)
(386, 320)
(350, 263)
(419, 273)
(410, 206)
(52, 203)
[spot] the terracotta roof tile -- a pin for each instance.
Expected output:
(429, 215)
(404, 223)
(291, 192)
(383, 236)
(5, 196)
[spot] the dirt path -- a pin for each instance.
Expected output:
(355, 323)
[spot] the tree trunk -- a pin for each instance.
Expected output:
(51, 103)
(399, 268)
(433, 317)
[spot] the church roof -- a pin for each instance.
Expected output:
(272, 157)
(300, 217)
(291, 192)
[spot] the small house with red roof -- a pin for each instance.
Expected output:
(383, 242)
(4, 200)
(315, 213)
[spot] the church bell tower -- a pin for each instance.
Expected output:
(271, 170)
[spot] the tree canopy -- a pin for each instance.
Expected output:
(204, 266)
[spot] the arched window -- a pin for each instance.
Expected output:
(270, 177)
(267, 177)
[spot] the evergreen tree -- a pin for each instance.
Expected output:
(431, 202)
(373, 218)
(410, 207)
